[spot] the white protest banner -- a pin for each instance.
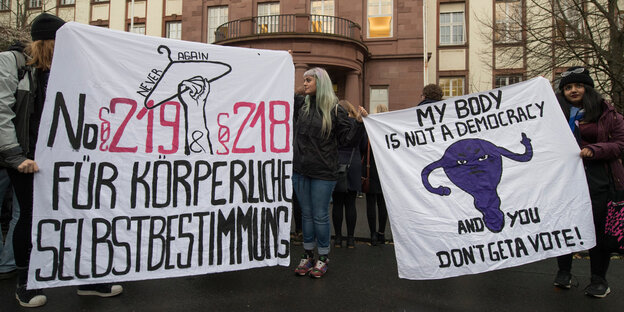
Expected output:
(160, 158)
(481, 182)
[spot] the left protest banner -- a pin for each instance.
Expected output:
(160, 158)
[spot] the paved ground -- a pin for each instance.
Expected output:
(360, 279)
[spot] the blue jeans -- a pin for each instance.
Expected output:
(314, 196)
(7, 260)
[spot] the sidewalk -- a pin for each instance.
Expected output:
(360, 279)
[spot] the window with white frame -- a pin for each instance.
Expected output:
(5, 4)
(508, 19)
(322, 15)
(268, 21)
(217, 16)
(379, 13)
(322, 7)
(378, 96)
(138, 28)
(67, 2)
(452, 20)
(452, 86)
(505, 80)
(173, 30)
(34, 3)
(452, 28)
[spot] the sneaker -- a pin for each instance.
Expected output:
(102, 290)
(350, 242)
(30, 298)
(598, 287)
(563, 279)
(305, 265)
(338, 241)
(320, 268)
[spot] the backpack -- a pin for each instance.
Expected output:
(24, 100)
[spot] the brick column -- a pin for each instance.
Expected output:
(300, 68)
(353, 93)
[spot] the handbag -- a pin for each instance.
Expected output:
(342, 185)
(614, 226)
(366, 179)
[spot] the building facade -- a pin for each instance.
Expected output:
(372, 49)
(376, 51)
(473, 46)
(161, 18)
(465, 53)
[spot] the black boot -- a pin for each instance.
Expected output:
(382, 238)
(374, 239)
(30, 298)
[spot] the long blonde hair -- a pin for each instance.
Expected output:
(348, 107)
(381, 108)
(326, 99)
(40, 53)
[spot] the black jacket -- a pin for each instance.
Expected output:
(314, 154)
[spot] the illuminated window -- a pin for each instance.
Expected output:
(501, 81)
(378, 96)
(217, 16)
(508, 19)
(379, 18)
(268, 19)
(452, 86)
(174, 30)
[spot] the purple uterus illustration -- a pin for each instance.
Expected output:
(476, 166)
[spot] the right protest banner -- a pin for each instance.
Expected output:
(482, 182)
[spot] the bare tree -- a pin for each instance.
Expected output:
(20, 15)
(556, 34)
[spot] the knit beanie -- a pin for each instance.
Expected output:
(570, 76)
(44, 26)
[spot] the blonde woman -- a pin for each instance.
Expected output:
(320, 126)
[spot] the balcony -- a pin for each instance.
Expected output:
(287, 25)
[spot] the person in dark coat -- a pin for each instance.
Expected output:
(599, 131)
(431, 93)
(375, 203)
(19, 125)
(344, 202)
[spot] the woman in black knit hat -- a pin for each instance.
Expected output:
(18, 151)
(599, 131)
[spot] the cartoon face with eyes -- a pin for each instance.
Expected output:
(476, 166)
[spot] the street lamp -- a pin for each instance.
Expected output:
(132, 16)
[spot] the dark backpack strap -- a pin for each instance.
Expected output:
(20, 63)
